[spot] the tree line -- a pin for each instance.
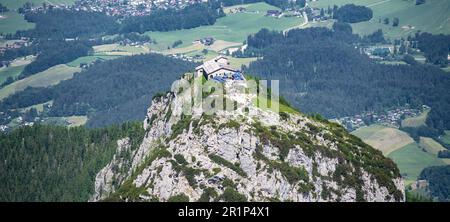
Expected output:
(3, 8)
(436, 48)
(171, 19)
(438, 178)
(352, 13)
(55, 163)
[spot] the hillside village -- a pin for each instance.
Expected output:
(390, 118)
(123, 8)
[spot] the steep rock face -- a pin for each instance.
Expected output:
(233, 156)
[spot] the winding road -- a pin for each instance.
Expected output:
(305, 22)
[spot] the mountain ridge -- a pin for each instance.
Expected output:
(240, 157)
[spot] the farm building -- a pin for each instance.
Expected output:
(207, 41)
(218, 69)
(273, 13)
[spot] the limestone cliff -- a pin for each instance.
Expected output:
(237, 157)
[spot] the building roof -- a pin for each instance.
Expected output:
(213, 65)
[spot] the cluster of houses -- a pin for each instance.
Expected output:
(19, 122)
(390, 118)
(238, 10)
(274, 13)
(207, 41)
(379, 52)
(132, 7)
(14, 44)
(114, 7)
(16, 118)
(313, 14)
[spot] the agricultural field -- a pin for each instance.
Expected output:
(430, 17)
(51, 76)
(193, 48)
(383, 138)
(109, 51)
(89, 60)
(15, 68)
(430, 145)
(39, 107)
(233, 28)
(70, 121)
(416, 121)
(11, 21)
(446, 137)
(12, 71)
(411, 160)
(119, 50)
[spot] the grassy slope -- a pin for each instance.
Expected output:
(271, 106)
(431, 17)
(13, 22)
(411, 157)
(119, 50)
(385, 139)
(89, 59)
(15, 68)
(46, 78)
(430, 145)
(411, 160)
(416, 121)
(446, 137)
(70, 121)
(12, 71)
(39, 107)
(232, 28)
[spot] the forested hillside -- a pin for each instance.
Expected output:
(167, 20)
(321, 71)
(54, 163)
(60, 24)
(435, 47)
(109, 92)
(438, 178)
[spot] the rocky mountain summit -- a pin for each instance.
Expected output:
(235, 156)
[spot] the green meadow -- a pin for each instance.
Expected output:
(383, 138)
(231, 28)
(446, 137)
(12, 71)
(51, 76)
(90, 59)
(416, 121)
(433, 16)
(10, 22)
(411, 160)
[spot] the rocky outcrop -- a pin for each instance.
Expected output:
(234, 156)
